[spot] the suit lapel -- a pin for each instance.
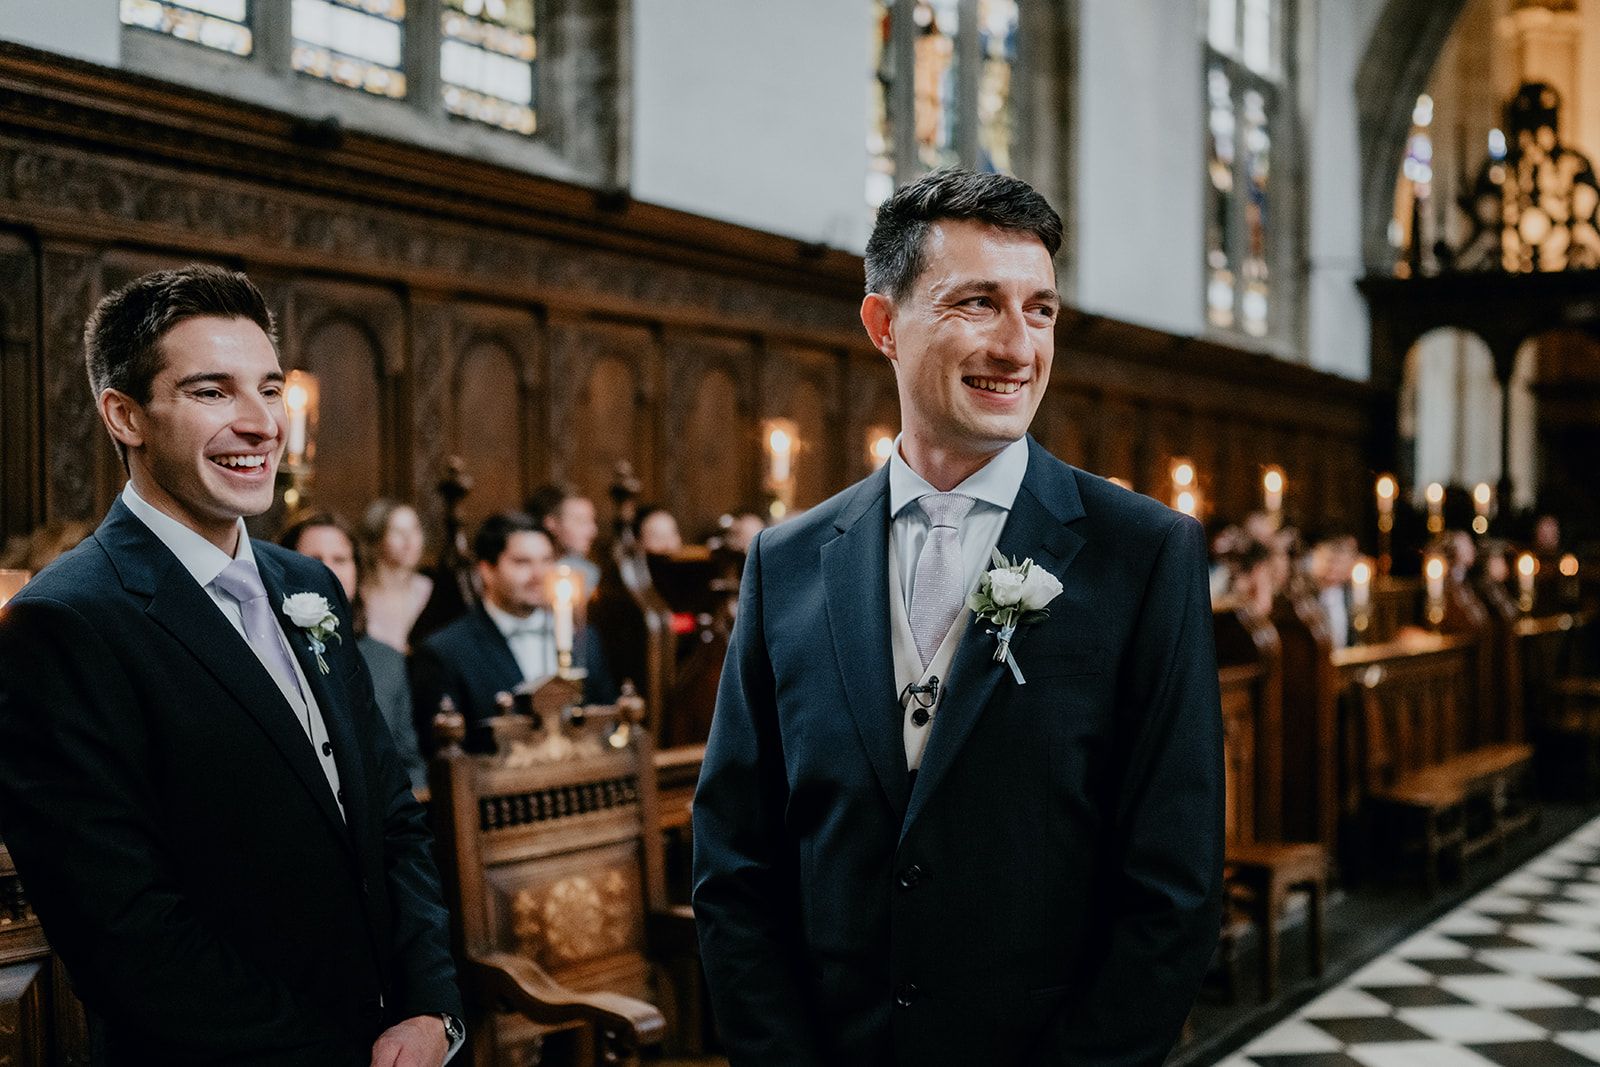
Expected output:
(855, 572)
(336, 715)
(502, 661)
(186, 611)
(1036, 528)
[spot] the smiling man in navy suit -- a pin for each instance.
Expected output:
(195, 782)
(908, 851)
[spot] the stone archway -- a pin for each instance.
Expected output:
(1402, 50)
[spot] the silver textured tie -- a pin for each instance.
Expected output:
(242, 582)
(938, 589)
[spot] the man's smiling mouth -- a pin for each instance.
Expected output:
(993, 385)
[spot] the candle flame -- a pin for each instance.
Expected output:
(1569, 565)
(882, 445)
(295, 398)
(1527, 564)
(1435, 568)
(1188, 503)
(1386, 487)
(1361, 573)
(1483, 494)
(780, 441)
(1273, 481)
(1183, 473)
(1435, 493)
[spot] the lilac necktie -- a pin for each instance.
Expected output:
(242, 581)
(938, 589)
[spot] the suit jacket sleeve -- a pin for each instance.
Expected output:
(1166, 894)
(433, 678)
(424, 975)
(745, 893)
(81, 818)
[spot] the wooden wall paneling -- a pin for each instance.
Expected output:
(712, 456)
(494, 373)
(803, 384)
(78, 454)
(429, 319)
(599, 404)
(21, 489)
(871, 401)
(1070, 415)
(1117, 429)
(352, 337)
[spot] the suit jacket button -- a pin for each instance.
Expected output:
(905, 994)
(911, 876)
(327, 748)
(366, 888)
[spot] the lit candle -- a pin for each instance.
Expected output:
(296, 400)
(1482, 499)
(1182, 473)
(566, 594)
(1188, 503)
(1527, 568)
(1434, 571)
(11, 583)
(1569, 578)
(781, 445)
(1184, 496)
(1272, 486)
(1386, 494)
(1360, 585)
(1435, 496)
(882, 446)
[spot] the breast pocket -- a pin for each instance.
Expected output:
(1062, 663)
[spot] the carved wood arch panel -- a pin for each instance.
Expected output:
(712, 454)
(601, 404)
(489, 424)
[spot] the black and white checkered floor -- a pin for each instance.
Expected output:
(1512, 977)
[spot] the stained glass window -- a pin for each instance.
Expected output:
(956, 104)
(1244, 84)
(486, 62)
(356, 43)
(938, 24)
(880, 132)
(220, 24)
(998, 27)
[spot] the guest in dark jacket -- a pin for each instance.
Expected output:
(509, 638)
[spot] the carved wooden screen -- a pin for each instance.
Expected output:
(716, 447)
(343, 355)
(605, 429)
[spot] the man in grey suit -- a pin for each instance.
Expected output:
(916, 843)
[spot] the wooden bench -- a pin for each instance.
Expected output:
(1412, 717)
(41, 1021)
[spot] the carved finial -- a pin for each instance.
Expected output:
(631, 707)
(449, 728)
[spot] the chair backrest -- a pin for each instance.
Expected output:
(548, 844)
(1250, 678)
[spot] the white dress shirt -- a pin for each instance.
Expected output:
(205, 561)
(993, 490)
(532, 640)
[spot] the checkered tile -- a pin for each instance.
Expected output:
(1509, 979)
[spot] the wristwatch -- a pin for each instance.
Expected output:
(454, 1032)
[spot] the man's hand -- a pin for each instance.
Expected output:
(415, 1042)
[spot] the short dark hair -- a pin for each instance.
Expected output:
(122, 338)
(290, 537)
(547, 500)
(489, 543)
(894, 251)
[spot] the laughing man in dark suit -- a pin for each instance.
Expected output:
(196, 785)
(908, 851)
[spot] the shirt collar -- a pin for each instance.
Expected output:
(199, 557)
(995, 483)
(506, 622)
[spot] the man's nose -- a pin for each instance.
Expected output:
(1009, 338)
(253, 416)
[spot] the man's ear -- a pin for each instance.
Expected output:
(877, 315)
(123, 416)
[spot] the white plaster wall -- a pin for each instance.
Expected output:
(754, 112)
(83, 29)
(1337, 333)
(1140, 163)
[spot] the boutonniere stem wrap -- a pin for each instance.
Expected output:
(1011, 595)
(310, 612)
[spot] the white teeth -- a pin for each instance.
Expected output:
(243, 462)
(994, 385)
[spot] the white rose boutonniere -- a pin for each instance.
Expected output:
(1009, 595)
(310, 612)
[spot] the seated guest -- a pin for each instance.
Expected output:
(569, 520)
(508, 639)
(1330, 564)
(324, 537)
(657, 531)
(393, 592)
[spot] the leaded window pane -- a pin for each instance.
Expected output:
(1221, 251)
(880, 133)
(1258, 172)
(487, 62)
(220, 24)
(1257, 51)
(355, 43)
(998, 26)
(937, 107)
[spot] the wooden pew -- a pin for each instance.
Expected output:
(1262, 868)
(41, 1021)
(550, 853)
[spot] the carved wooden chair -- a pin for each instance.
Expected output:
(551, 859)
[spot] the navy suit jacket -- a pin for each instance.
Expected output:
(176, 833)
(470, 661)
(1048, 889)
